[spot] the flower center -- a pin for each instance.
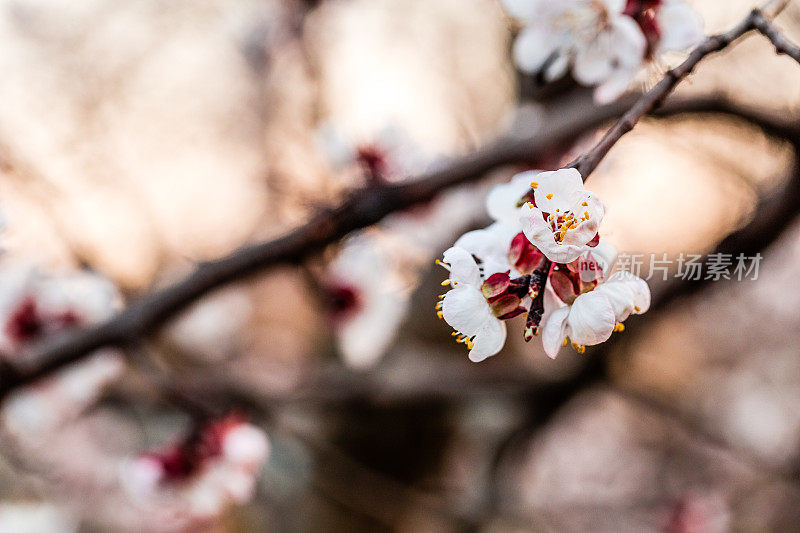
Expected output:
(561, 223)
(584, 22)
(343, 300)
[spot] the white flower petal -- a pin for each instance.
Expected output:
(501, 203)
(641, 293)
(606, 255)
(621, 297)
(595, 208)
(536, 229)
(490, 243)
(591, 319)
(532, 47)
(465, 309)
(560, 253)
(489, 340)
(490, 266)
(625, 46)
(594, 62)
(560, 189)
(368, 333)
(582, 233)
(681, 27)
(615, 6)
(628, 43)
(614, 87)
(463, 268)
(557, 68)
(553, 331)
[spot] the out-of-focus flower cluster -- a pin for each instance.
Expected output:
(603, 43)
(369, 284)
(212, 468)
(541, 257)
(44, 425)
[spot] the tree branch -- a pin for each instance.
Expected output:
(771, 32)
(362, 208)
(587, 163)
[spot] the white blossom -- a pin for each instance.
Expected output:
(604, 42)
(369, 300)
(563, 220)
(593, 316)
(201, 478)
(603, 46)
(668, 25)
(466, 310)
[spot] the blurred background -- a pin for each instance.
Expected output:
(139, 138)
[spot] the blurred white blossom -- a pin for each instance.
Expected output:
(603, 42)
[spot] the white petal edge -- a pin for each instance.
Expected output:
(465, 309)
(489, 340)
(591, 319)
(553, 331)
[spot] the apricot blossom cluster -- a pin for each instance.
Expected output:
(541, 257)
(602, 42)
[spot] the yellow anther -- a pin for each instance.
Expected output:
(585, 204)
(441, 296)
(454, 334)
(637, 309)
(586, 214)
(619, 327)
(440, 314)
(438, 262)
(564, 342)
(550, 196)
(445, 283)
(534, 184)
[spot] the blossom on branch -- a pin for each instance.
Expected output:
(368, 285)
(366, 298)
(481, 298)
(603, 42)
(541, 256)
(590, 315)
(563, 218)
(668, 25)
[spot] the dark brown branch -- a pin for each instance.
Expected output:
(651, 100)
(771, 32)
(361, 209)
(455, 380)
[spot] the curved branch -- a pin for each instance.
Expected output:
(779, 41)
(650, 101)
(362, 208)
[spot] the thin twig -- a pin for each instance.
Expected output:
(782, 44)
(363, 208)
(650, 101)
